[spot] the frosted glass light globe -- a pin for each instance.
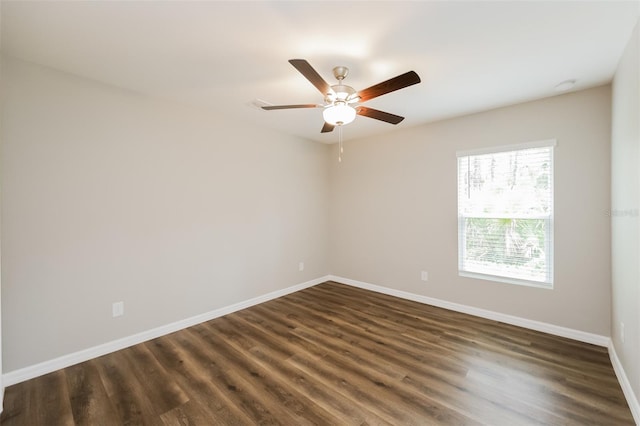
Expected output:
(339, 114)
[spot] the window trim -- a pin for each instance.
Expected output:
(550, 240)
(506, 280)
(513, 147)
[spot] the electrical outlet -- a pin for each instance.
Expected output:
(622, 332)
(424, 276)
(301, 266)
(117, 309)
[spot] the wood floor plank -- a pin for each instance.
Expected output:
(188, 369)
(126, 392)
(227, 382)
(393, 397)
(286, 401)
(432, 391)
(158, 385)
(334, 354)
(322, 395)
(49, 391)
(312, 354)
(271, 357)
(90, 402)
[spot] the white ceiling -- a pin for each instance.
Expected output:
(471, 56)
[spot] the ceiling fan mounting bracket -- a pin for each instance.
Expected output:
(340, 73)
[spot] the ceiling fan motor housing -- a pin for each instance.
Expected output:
(340, 92)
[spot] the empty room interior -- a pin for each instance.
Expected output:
(318, 212)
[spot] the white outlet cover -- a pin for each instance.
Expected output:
(301, 266)
(117, 309)
(424, 276)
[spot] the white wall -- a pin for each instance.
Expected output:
(110, 196)
(394, 212)
(625, 204)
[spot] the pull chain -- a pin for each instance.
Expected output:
(340, 146)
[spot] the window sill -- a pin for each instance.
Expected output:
(507, 280)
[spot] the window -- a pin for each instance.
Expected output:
(505, 214)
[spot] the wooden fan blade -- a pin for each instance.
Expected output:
(396, 83)
(327, 127)
(311, 75)
(379, 115)
(271, 107)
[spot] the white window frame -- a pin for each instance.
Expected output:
(549, 240)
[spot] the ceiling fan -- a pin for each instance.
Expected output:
(340, 101)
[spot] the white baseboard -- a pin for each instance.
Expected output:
(629, 394)
(42, 368)
(556, 330)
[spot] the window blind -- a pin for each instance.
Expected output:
(505, 213)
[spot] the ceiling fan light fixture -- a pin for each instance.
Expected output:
(339, 114)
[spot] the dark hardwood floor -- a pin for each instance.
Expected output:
(333, 355)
